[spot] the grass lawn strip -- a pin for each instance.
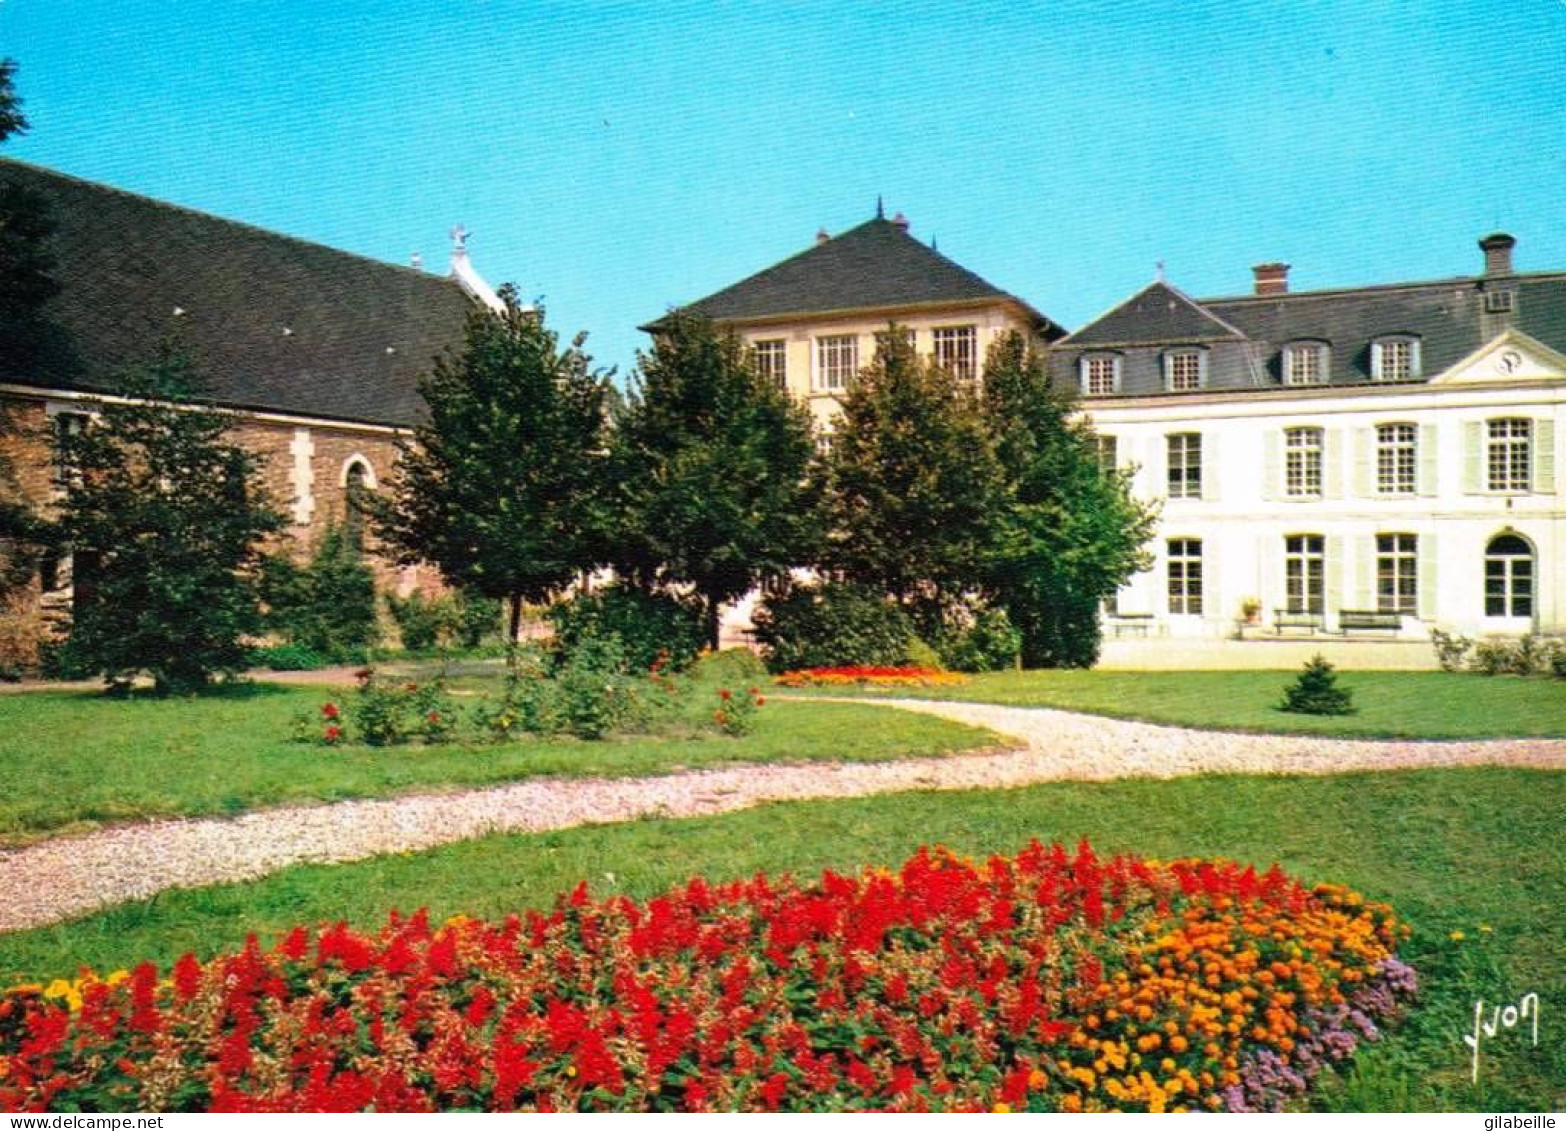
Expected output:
(1475, 853)
(1418, 705)
(75, 761)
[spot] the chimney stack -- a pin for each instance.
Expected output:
(900, 221)
(1497, 250)
(822, 235)
(1271, 278)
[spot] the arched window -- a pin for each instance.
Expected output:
(1508, 577)
(358, 480)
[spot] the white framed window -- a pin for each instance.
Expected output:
(1185, 370)
(1305, 363)
(1508, 577)
(65, 425)
(1508, 456)
(957, 350)
(837, 360)
(1185, 576)
(772, 361)
(1107, 450)
(1185, 465)
(1304, 573)
(1394, 359)
(1302, 463)
(1397, 574)
(1397, 459)
(1100, 374)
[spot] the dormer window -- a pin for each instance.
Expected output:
(1185, 370)
(1394, 359)
(1100, 374)
(1305, 363)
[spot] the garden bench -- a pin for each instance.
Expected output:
(1369, 620)
(1130, 624)
(1294, 618)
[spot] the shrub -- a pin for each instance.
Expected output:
(735, 714)
(1451, 650)
(422, 622)
(979, 640)
(731, 666)
(288, 658)
(477, 618)
(1555, 658)
(918, 654)
(326, 607)
(944, 984)
(388, 712)
(1316, 691)
(831, 624)
(593, 693)
(647, 625)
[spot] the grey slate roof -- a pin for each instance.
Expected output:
(1448, 316)
(876, 265)
(361, 330)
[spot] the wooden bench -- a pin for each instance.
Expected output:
(1369, 620)
(1133, 624)
(1293, 618)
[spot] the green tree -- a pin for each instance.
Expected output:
(166, 522)
(327, 605)
(915, 483)
(502, 486)
(1070, 533)
(712, 461)
(25, 259)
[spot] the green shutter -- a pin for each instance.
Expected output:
(1429, 461)
(1334, 579)
(1332, 455)
(1426, 547)
(1365, 463)
(1544, 456)
(1473, 447)
(1272, 472)
(1365, 573)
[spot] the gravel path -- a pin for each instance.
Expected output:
(62, 878)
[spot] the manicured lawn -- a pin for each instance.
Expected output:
(71, 760)
(1390, 704)
(1482, 852)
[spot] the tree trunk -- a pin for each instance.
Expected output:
(713, 613)
(514, 632)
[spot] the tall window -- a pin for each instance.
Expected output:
(1107, 450)
(1394, 359)
(1302, 463)
(1509, 454)
(1305, 363)
(1185, 465)
(837, 357)
(1185, 576)
(1183, 370)
(1100, 374)
(772, 361)
(356, 484)
(1508, 577)
(957, 351)
(1397, 574)
(1397, 459)
(67, 425)
(1304, 573)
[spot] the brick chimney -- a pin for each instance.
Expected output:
(900, 221)
(822, 235)
(1497, 250)
(1271, 278)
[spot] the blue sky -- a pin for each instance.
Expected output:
(619, 158)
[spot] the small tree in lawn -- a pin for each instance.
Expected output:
(915, 486)
(1069, 533)
(502, 487)
(712, 463)
(166, 523)
(1316, 691)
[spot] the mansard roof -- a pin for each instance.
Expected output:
(875, 266)
(271, 322)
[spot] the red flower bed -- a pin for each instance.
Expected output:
(870, 674)
(1051, 980)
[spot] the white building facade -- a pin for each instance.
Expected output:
(1379, 461)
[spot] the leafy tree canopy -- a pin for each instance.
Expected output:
(25, 230)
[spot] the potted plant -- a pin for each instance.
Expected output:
(1250, 610)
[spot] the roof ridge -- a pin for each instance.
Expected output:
(170, 206)
(1412, 284)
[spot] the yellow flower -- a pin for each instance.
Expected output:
(1485, 928)
(1457, 936)
(1003, 1109)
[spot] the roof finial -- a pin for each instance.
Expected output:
(1159, 273)
(933, 245)
(880, 209)
(459, 240)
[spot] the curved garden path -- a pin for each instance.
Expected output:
(62, 878)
